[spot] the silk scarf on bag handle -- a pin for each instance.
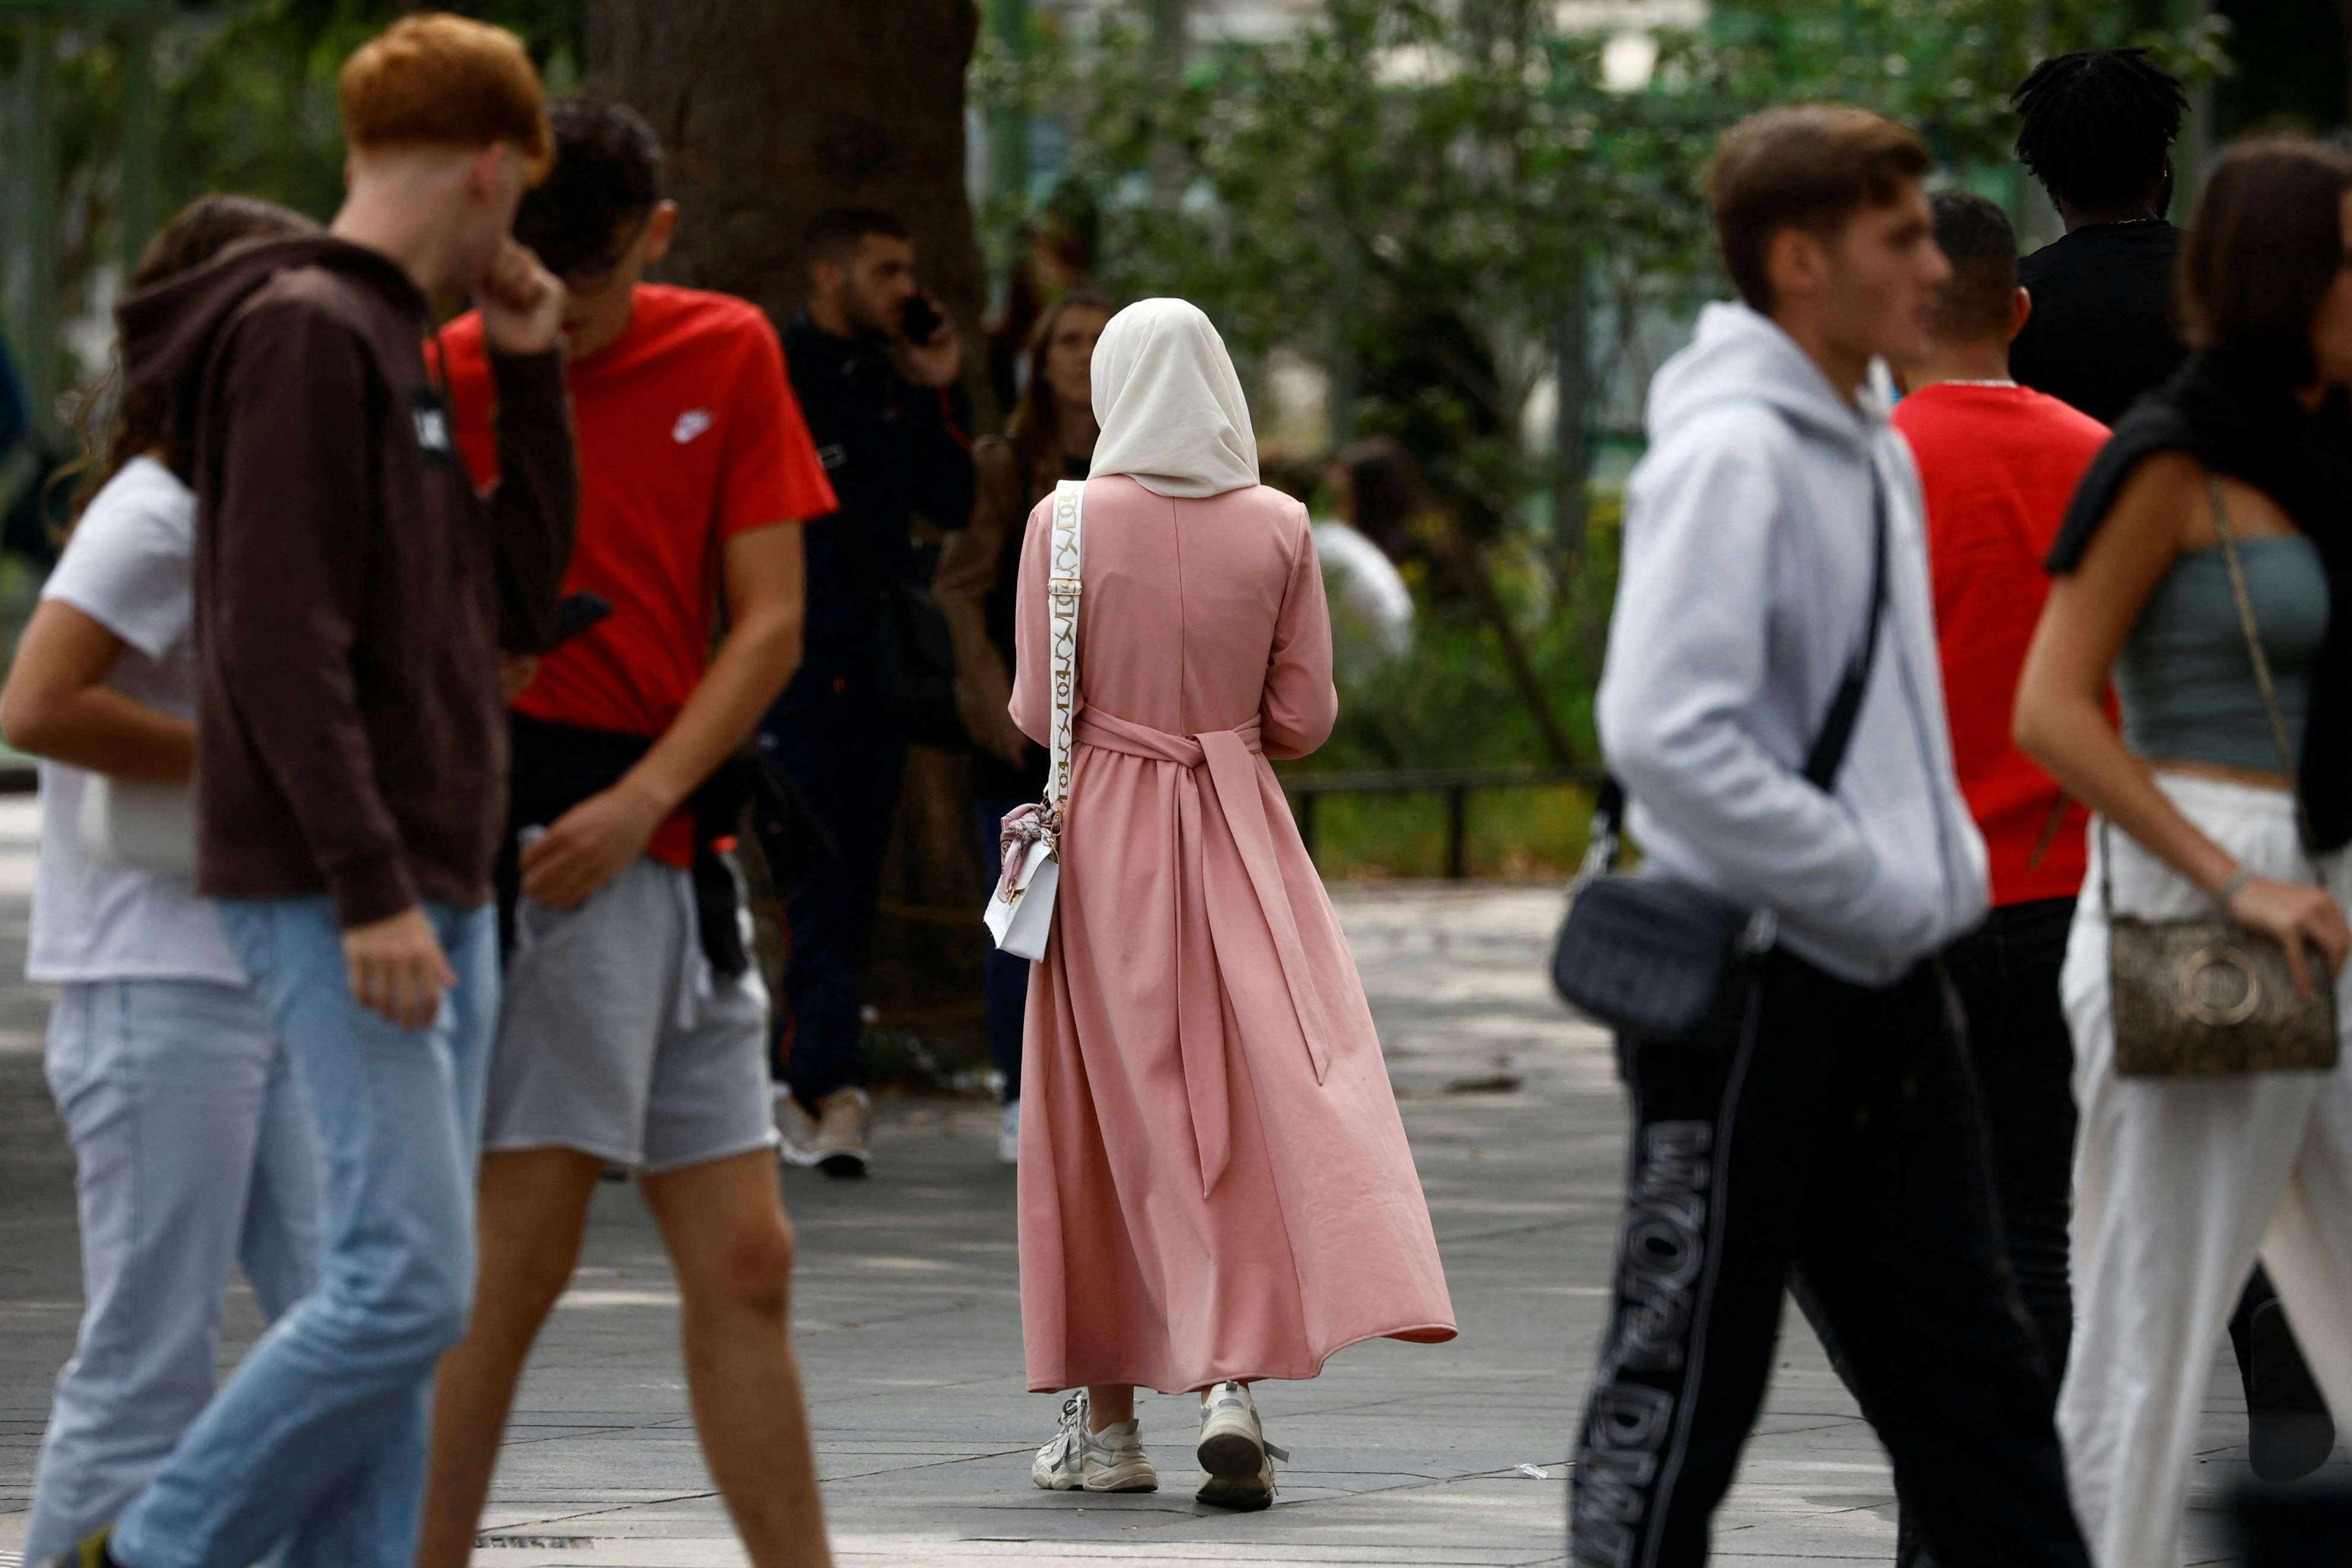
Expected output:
(1020, 910)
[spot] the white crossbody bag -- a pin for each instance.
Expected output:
(1021, 908)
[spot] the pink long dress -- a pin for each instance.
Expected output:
(1214, 1181)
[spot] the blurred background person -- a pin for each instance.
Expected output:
(1054, 253)
(875, 365)
(2181, 1182)
(633, 1027)
(1997, 464)
(2097, 127)
(1378, 491)
(193, 1151)
(1052, 438)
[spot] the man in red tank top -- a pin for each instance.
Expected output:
(634, 1030)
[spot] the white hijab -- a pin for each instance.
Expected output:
(1170, 405)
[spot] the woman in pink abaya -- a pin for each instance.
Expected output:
(1215, 1186)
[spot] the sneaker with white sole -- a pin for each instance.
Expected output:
(1110, 1460)
(1236, 1460)
(1008, 1135)
(834, 1140)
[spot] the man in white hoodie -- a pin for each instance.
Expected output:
(1830, 1142)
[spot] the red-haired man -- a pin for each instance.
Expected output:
(353, 598)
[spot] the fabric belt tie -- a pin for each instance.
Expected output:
(1232, 762)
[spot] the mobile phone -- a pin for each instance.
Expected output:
(575, 613)
(920, 320)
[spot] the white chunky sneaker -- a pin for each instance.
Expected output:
(1008, 1135)
(1236, 1460)
(1110, 1460)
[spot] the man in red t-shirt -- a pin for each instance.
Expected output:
(634, 1029)
(1997, 463)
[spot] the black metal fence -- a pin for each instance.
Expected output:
(1454, 784)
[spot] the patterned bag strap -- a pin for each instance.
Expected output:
(1062, 590)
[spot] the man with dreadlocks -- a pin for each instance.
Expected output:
(2098, 129)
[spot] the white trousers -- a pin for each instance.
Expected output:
(2178, 1184)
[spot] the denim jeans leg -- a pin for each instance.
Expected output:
(164, 1088)
(279, 1247)
(370, 1515)
(1006, 982)
(335, 1391)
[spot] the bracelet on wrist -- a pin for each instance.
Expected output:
(2232, 885)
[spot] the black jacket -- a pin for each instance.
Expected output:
(894, 451)
(2103, 329)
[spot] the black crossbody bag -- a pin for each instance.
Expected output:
(1660, 959)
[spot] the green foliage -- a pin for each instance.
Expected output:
(1400, 151)
(1429, 201)
(248, 103)
(1449, 702)
(1418, 196)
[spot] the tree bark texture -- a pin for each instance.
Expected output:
(772, 111)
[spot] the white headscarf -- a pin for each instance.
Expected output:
(1170, 405)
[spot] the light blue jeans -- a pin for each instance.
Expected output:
(192, 1154)
(318, 1440)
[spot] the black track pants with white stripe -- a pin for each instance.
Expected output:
(1836, 1143)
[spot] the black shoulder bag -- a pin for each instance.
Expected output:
(1660, 959)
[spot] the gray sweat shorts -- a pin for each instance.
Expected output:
(616, 1038)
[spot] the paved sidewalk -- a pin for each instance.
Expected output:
(908, 1327)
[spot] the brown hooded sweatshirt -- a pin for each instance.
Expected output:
(352, 592)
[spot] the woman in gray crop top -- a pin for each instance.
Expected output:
(2183, 678)
(2180, 1181)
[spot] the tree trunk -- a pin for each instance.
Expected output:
(772, 112)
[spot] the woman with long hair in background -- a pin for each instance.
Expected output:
(192, 1151)
(1052, 438)
(2223, 498)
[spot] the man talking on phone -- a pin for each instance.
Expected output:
(874, 364)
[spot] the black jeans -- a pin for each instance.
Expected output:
(1836, 1145)
(2005, 974)
(846, 759)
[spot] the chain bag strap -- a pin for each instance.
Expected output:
(2209, 996)
(1020, 914)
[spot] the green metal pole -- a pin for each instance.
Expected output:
(139, 135)
(37, 156)
(1008, 128)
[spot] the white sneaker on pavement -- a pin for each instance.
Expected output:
(833, 1141)
(1236, 1460)
(1110, 1460)
(1008, 1135)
